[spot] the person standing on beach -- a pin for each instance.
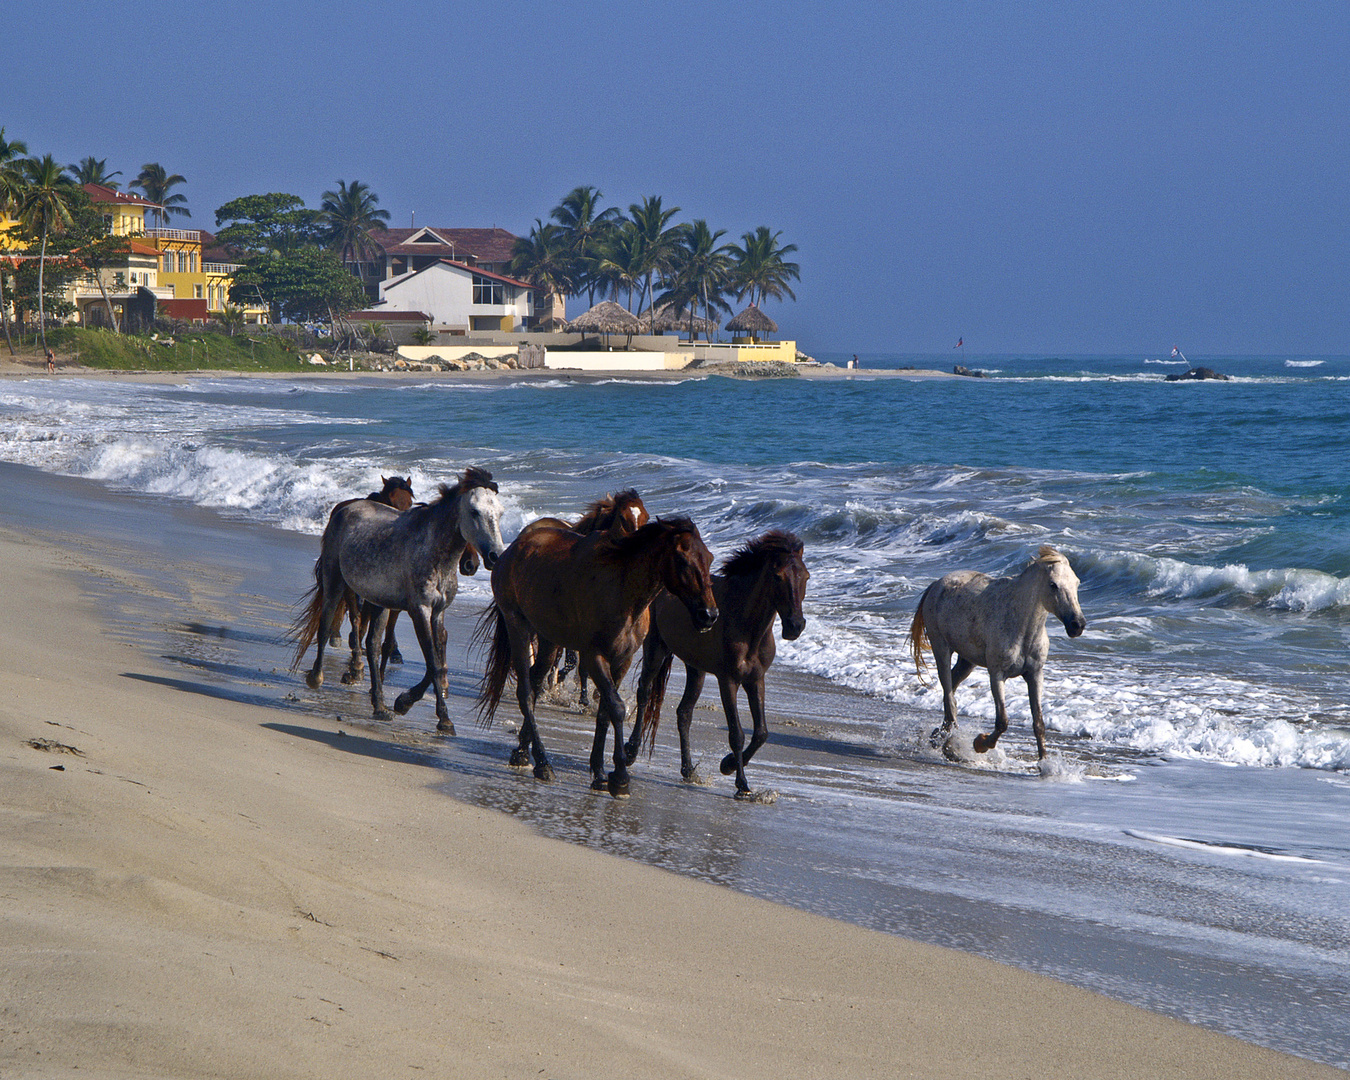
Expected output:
(51, 362)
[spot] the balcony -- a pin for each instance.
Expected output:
(221, 269)
(193, 235)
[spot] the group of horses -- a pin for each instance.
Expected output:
(615, 581)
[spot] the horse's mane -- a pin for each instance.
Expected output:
(1049, 555)
(751, 557)
(600, 514)
(473, 477)
(637, 541)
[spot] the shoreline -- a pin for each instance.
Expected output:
(211, 864)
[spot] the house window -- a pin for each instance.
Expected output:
(168, 262)
(196, 292)
(192, 262)
(486, 291)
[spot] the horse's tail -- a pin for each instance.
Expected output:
(651, 711)
(305, 628)
(918, 638)
(491, 632)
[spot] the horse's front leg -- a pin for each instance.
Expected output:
(734, 762)
(375, 620)
(988, 742)
(684, 718)
(425, 637)
(1034, 679)
(754, 694)
(611, 713)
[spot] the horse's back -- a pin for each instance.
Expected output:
(952, 610)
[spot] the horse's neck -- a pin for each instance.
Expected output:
(748, 604)
(1029, 590)
(447, 540)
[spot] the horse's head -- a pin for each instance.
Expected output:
(1062, 590)
(480, 514)
(396, 491)
(775, 559)
(628, 514)
(686, 570)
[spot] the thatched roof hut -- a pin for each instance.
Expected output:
(752, 321)
(606, 318)
(668, 318)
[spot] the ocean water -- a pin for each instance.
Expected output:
(1195, 808)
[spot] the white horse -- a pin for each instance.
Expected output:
(999, 624)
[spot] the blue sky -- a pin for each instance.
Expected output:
(1071, 177)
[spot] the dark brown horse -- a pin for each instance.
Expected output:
(623, 513)
(764, 578)
(554, 588)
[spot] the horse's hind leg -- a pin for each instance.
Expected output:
(327, 616)
(950, 676)
(611, 713)
(375, 620)
(655, 655)
(984, 743)
(361, 614)
(521, 640)
(426, 637)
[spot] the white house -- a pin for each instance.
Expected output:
(459, 297)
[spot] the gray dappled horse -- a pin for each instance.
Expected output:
(998, 624)
(405, 561)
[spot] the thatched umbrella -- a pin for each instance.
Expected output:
(752, 321)
(667, 318)
(606, 318)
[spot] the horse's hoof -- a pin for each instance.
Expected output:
(396, 657)
(383, 714)
(349, 676)
(983, 743)
(728, 766)
(314, 679)
(744, 794)
(935, 738)
(335, 642)
(599, 784)
(520, 759)
(543, 772)
(618, 788)
(630, 754)
(402, 704)
(446, 726)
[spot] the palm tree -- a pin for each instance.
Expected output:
(542, 259)
(621, 261)
(759, 267)
(155, 182)
(700, 273)
(11, 189)
(347, 217)
(92, 170)
(584, 228)
(44, 207)
(659, 243)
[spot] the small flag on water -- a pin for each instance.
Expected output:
(959, 343)
(1176, 351)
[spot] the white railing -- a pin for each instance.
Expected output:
(223, 269)
(176, 234)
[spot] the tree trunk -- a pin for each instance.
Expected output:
(42, 311)
(4, 312)
(112, 318)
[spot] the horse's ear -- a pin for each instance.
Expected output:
(384, 480)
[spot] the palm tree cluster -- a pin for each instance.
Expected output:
(654, 263)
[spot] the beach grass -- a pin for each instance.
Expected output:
(198, 350)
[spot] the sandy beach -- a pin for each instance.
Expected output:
(197, 884)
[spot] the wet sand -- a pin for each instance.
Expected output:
(201, 879)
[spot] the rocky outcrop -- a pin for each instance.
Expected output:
(1196, 373)
(961, 369)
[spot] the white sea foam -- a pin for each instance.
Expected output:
(1304, 363)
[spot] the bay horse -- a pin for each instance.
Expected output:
(554, 588)
(998, 624)
(405, 561)
(764, 578)
(622, 510)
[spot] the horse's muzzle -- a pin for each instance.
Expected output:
(489, 559)
(792, 629)
(1075, 627)
(704, 617)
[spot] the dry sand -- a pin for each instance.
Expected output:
(186, 891)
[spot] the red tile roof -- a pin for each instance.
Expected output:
(477, 270)
(100, 194)
(485, 245)
(378, 315)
